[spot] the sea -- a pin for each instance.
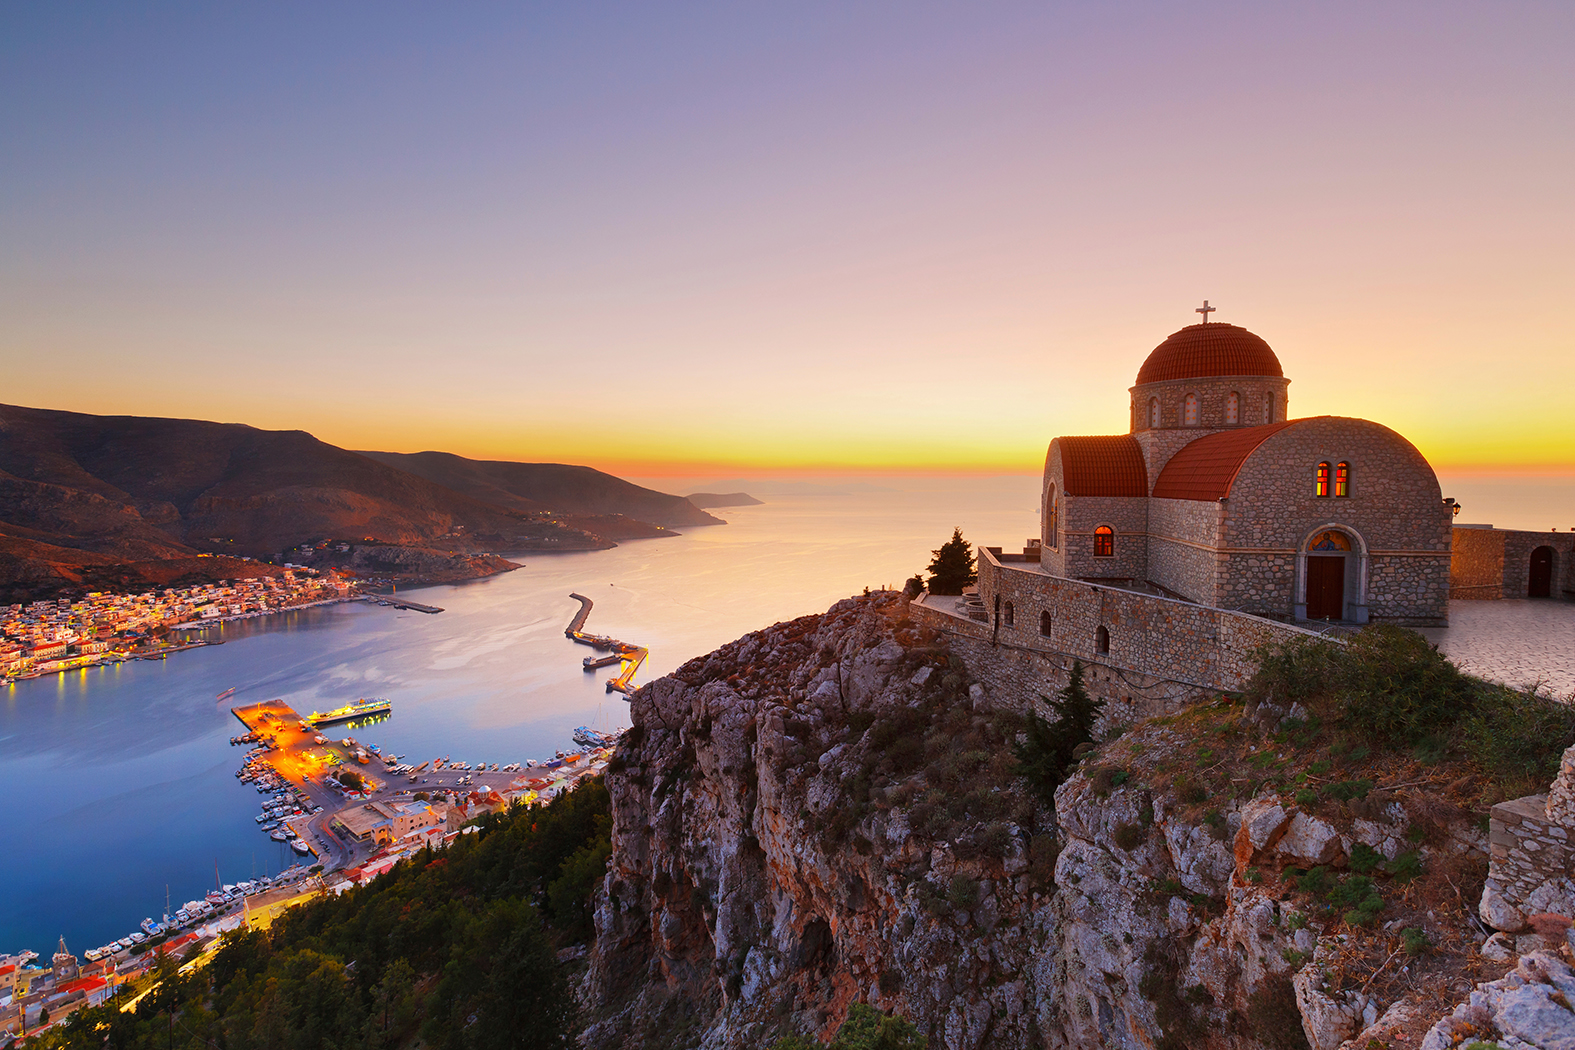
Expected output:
(118, 781)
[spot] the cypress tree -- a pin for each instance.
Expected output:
(1048, 749)
(953, 567)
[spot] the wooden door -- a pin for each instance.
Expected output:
(1540, 585)
(1325, 587)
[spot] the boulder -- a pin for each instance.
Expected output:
(1498, 912)
(1309, 841)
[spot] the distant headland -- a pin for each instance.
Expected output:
(707, 500)
(125, 503)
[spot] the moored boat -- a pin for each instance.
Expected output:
(376, 705)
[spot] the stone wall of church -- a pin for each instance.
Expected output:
(1395, 507)
(1081, 515)
(1183, 535)
(1175, 641)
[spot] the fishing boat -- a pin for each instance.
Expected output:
(376, 705)
(278, 835)
(227, 693)
(300, 847)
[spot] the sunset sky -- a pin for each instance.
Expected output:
(674, 238)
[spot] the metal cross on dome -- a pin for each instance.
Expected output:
(1205, 310)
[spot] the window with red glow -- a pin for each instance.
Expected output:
(1322, 485)
(1342, 480)
(1104, 542)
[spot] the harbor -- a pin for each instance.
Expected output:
(340, 800)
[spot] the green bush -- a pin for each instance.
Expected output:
(1416, 941)
(1364, 858)
(1389, 685)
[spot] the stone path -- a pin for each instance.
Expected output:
(1520, 643)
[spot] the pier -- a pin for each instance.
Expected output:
(399, 603)
(631, 656)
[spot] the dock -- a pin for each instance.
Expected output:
(631, 656)
(400, 603)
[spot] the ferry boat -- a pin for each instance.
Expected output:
(376, 705)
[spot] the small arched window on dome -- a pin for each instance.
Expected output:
(1342, 480)
(1009, 615)
(1044, 624)
(1104, 542)
(1189, 410)
(1321, 482)
(1268, 408)
(1101, 639)
(1232, 408)
(1153, 413)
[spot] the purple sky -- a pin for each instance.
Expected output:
(678, 237)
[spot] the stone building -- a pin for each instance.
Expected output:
(1216, 497)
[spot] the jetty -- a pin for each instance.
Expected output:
(631, 656)
(399, 603)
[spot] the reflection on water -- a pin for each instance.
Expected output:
(119, 779)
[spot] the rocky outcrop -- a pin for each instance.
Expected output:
(1528, 1009)
(826, 812)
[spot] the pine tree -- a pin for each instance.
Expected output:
(953, 567)
(1048, 749)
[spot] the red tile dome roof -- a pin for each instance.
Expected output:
(1203, 350)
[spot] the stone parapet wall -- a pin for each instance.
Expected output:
(1160, 639)
(1489, 564)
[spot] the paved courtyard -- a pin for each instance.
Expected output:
(1520, 643)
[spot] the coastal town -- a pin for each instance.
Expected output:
(47, 637)
(350, 810)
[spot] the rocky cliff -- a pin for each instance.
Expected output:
(829, 811)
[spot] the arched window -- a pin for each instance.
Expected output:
(1153, 413)
(1104, 542)
(1010, 615)
(1342, 479)
(1232, 408)
(1052, 521)
(1044, 624)
(1101, 639)
(1189, 410)
(1321, 485)
(1268, 408)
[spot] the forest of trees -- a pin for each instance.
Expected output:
(458, 947)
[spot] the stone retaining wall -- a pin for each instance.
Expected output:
(1529, 867)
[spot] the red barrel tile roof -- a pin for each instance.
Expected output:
(1206, 469)
(1103, 466)
(1202, 350)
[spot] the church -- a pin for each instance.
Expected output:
(1217, 496)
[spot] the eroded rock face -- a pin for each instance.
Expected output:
(761, 882)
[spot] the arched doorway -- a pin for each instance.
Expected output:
(1540, 583)
(1327, 554)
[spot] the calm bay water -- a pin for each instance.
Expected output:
(118, 780)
